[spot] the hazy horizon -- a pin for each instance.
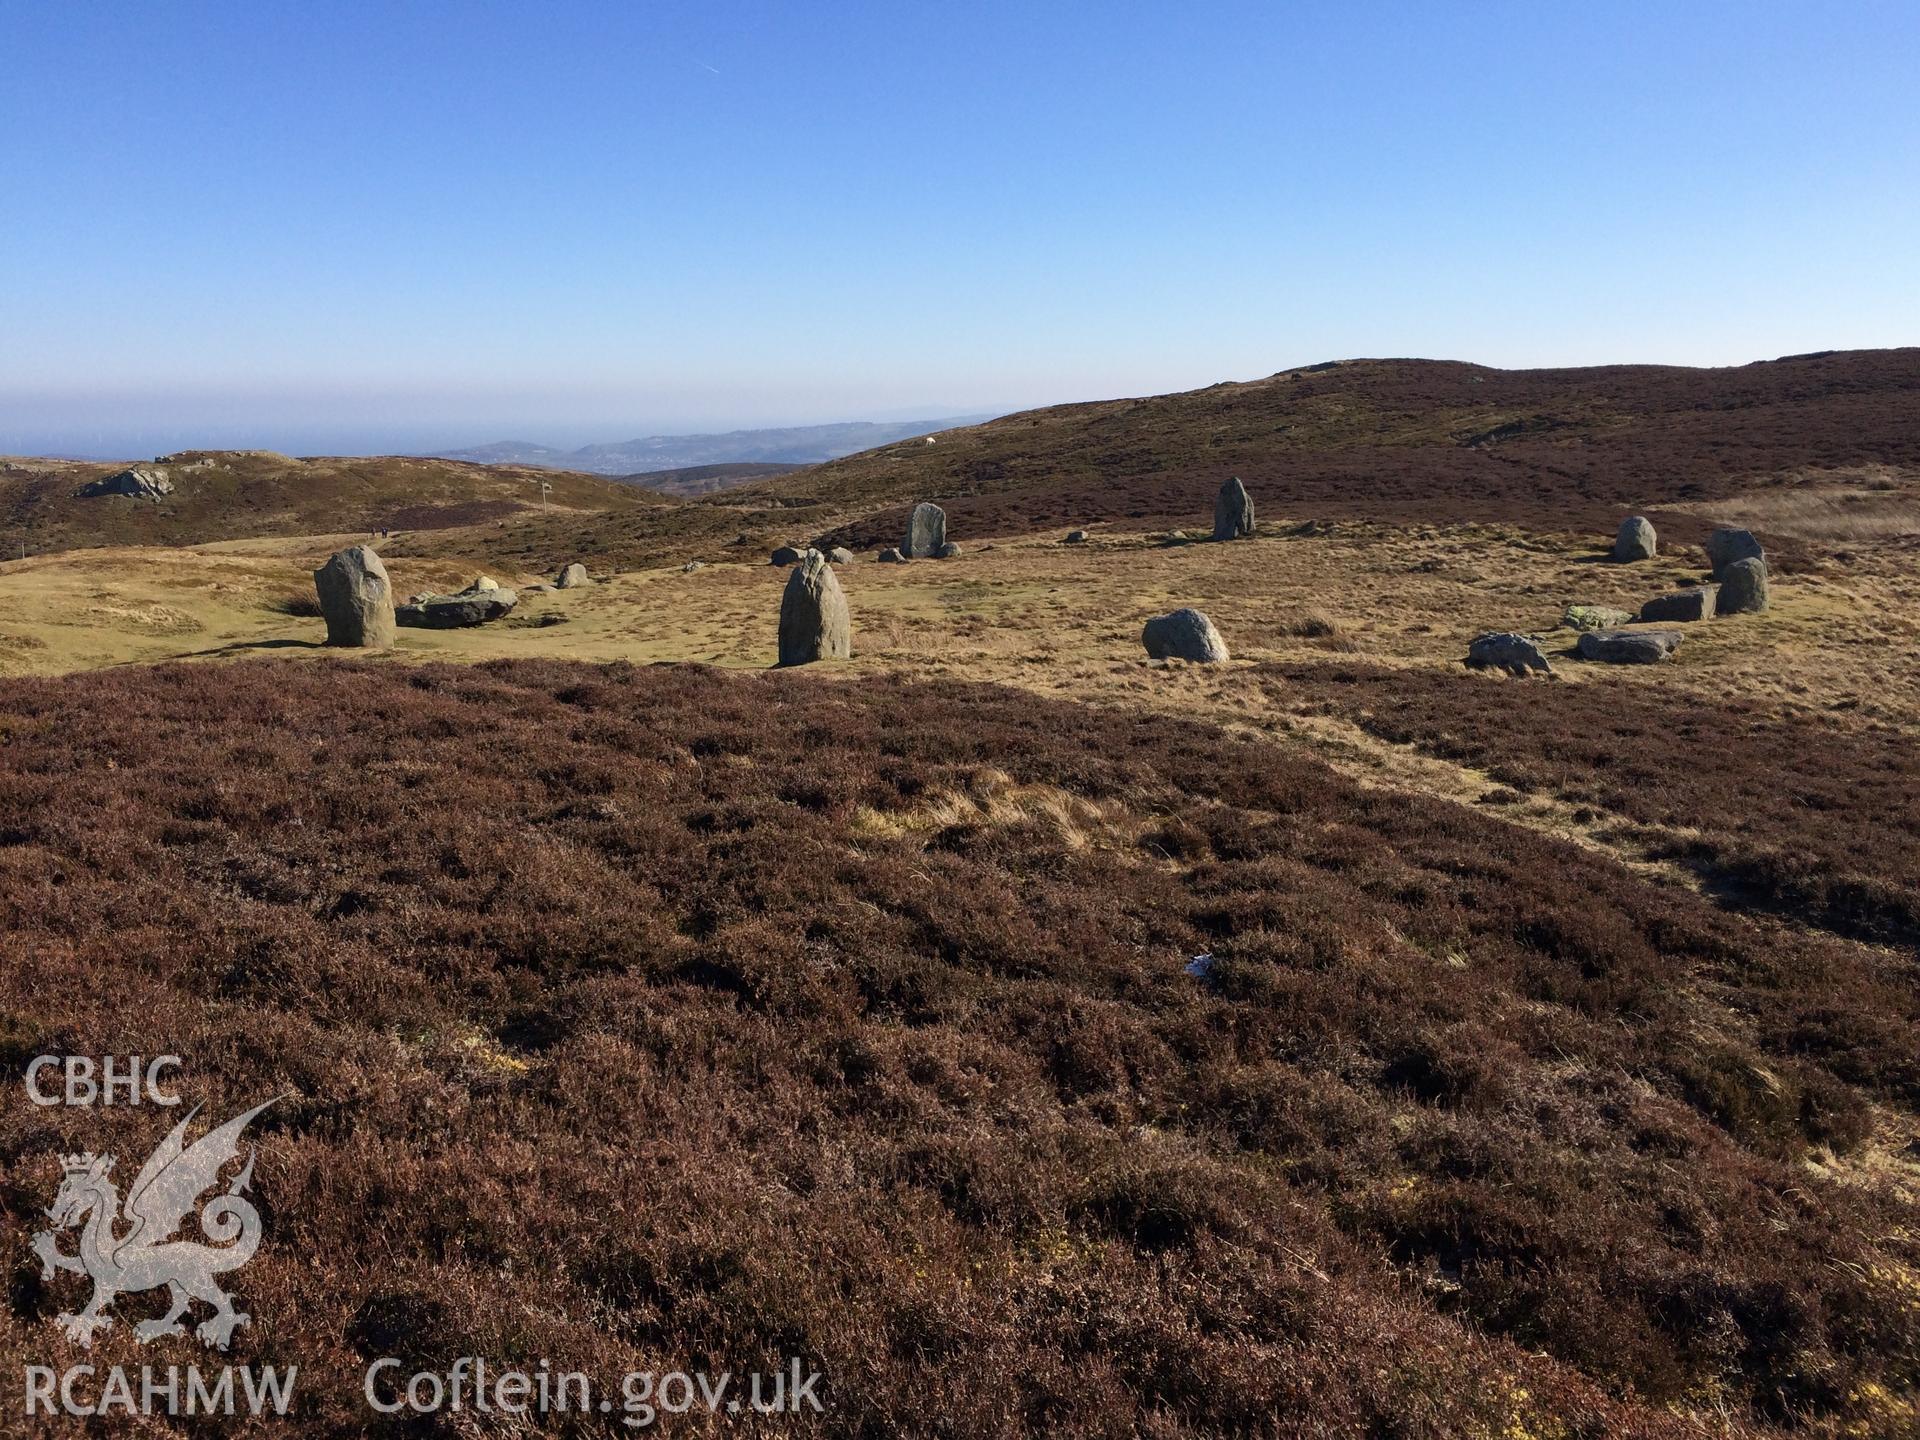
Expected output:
(361, 227)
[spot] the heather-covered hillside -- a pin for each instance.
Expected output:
(634, 1015)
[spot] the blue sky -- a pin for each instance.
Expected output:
(435, 223)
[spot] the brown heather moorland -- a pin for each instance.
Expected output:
(654, 1017)
(1558, 1070)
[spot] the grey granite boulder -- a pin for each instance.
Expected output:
(1636, 540)
(891, 556)
(356, 597)
(814, 624)
(1515, 654)
(1628, 647)
(948, 551)
(840, 555)
(1743, 588)
(475, 605)
(1683, 605)
(1075, 537)
(1184, 635)
(786, 555)
(574, 574)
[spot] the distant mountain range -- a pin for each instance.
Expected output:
(795, 445)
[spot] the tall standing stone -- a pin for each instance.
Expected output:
(926, 532)
(357, 599)
(1636, 540)
(1727, 546)
(814, 624)
(1232, 511)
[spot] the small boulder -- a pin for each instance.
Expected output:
(1176, 537)
(1184, 635)
(481, 582)
(574, 574)
(1628, 647)
(891, 556)
(1682, 605)
(1743, 588)
(1232, 511)
(785, 555)
(840, 555)
(1726, 546)
(926, 531)
(139, 482)
(947, 551)
(814, 624)
(356, 597)
(1595, 617)
(472, 606)
(1636, 540)
(1075, 537)
(1515, 654)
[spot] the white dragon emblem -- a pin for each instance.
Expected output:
(147, 1255)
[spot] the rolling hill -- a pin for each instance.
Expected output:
(1404, 441)
(239, 494)
(692, 480)
(790, 445)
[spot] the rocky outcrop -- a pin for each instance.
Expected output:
(926, 532)
(1636, 540)
(356, 597)
(1184, 635)
(1628, 647)
(1682, 605)
(1515, 654)
(1743, 588)
(814, 624)
(140, 482)
(1232, 511)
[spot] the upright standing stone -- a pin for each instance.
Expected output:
(814, 624)
(1232, 511)
(1743, 588)
(926, 532)
(1636, 540)
(1727, 546)
(357, 599)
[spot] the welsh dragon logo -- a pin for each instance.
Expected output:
(146, 1255)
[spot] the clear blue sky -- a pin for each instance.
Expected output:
(445, 223)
